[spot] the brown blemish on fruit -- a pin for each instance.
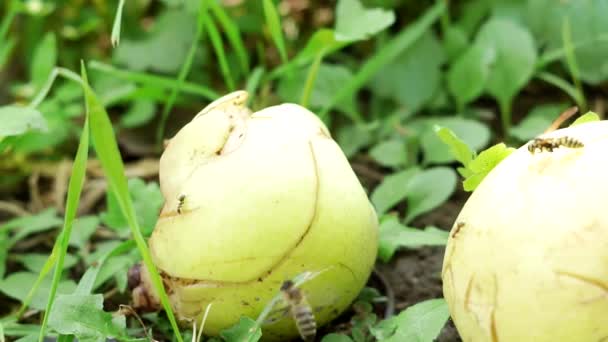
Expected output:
(601, 284)
(493, 331)
(467, 294)
(459, 227)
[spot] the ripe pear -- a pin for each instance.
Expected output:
(252, 200)
(527, 258)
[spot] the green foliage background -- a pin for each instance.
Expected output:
(417, 94)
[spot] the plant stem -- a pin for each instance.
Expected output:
(44, 91)
(505, 116)
(572, 64)
(311, 78)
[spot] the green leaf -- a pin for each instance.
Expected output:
(44, 220)
(84, 227)
(475, 134)
(390, 153)
(413, 79)
(322, 41)
(467, 77)
(484, 163)
(394, 235)
(139, 113)
(429, 189)
(164, 48)
(329, 80)
(35, 261)
(147, 201)
(455, 41)
(356, 22)
(29, 338)
(18, 120)
(589, 34)
(392, 190)
(87, 282)
(515, 52)
(587, 117)
(537, 121)
(422, 322)
(4, 246)
(17, 286)
(335, 337)
(246, 330)
(352, 138)
(458, 148)
(116, 267)
(83, 317)
(386, 55)
(44, 60)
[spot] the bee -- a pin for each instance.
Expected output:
(550, 144)
(181, 199)
(300, 310)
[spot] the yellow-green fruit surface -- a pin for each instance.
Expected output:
(527, 258)
(253, 200)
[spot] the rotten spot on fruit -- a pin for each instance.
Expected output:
(459, 226)
(181, 199)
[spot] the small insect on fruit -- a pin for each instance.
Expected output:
(550, 144)
(180, 204)
(300, 310)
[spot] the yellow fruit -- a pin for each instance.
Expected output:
(253, 200)
(527, 258)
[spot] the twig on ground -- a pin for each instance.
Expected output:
(35, 199)
(13, 208)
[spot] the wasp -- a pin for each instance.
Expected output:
(300, 310)
(550, 144)
(181, 199)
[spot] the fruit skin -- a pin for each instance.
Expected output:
(527, 258)
(263, 197)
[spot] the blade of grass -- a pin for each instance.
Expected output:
(73, 199)
(5, 24)
(233, 34)
(183, 73)
(50, 262)
(310, 79)
(572, 64)
(274, 25)
(324, 38)
(218, 46)
(111, 161)
(385, 55)
(562, 84)
(115, 38)
(154, 80)
(253, 82)
(6, 49)
(44, 91)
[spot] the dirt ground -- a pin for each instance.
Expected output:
(415, 275)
